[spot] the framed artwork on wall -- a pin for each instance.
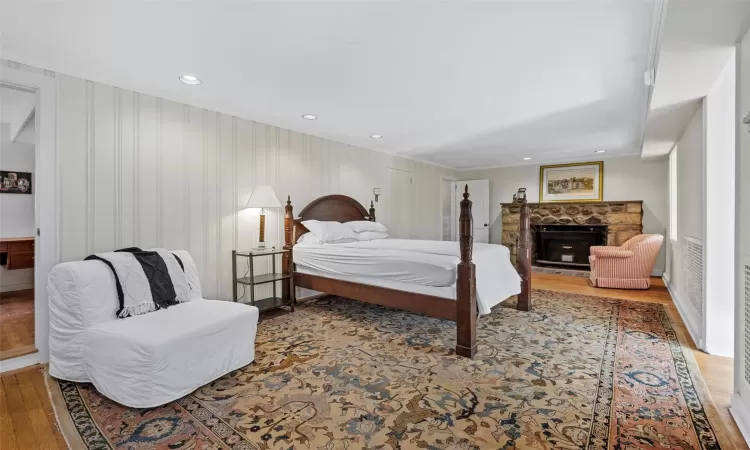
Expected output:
(12, 182)
(578, 182)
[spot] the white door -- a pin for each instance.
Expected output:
(398, 194)
(448, 209)
(479, 194)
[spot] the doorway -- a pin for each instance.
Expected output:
(479, 194)
(451, 194)
(17, 221)
(448, 207)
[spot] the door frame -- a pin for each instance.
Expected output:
(47, 191)
(454, 213)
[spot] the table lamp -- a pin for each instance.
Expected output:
(263, 197)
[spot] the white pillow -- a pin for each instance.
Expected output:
(371, 235)
(329, 231)
(309, 238)
(365, 225)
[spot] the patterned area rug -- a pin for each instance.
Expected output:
(577, 372)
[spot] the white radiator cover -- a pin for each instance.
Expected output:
(746, 330)
(692, 266)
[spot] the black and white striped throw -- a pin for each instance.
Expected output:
(146, 280)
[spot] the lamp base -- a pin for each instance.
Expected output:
(262, 231)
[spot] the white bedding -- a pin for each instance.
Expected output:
(417, 263)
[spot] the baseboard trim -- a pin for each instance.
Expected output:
(18, 352)
(17, 287)
(686, 318)
(741, 416)
(20, 362)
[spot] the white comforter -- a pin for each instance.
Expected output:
(430, 263)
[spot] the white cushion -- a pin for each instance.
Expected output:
(191, 273)
(359, 226)
(371, 235)
(152, 359)
(309, 238)
(328, 231)
(82, 294)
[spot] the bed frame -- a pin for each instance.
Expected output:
(462, 310)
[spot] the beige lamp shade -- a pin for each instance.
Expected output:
(263, 197)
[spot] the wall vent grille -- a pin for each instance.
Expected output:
(692, 251)
(746, 306)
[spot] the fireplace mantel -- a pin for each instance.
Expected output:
(624, 219)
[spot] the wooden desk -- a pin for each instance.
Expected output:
(17, 253)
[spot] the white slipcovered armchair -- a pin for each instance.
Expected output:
(146, 360)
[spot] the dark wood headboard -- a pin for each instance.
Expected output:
(339, 208)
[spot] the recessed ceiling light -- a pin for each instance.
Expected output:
(309, 116)
(526, 158)
(189, 79)
(600, 151)
(376, 136)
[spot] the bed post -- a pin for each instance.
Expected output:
(466, 302)
(524, 259)
(372, 211)
(287, 260)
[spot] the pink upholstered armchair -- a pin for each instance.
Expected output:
(628, 266)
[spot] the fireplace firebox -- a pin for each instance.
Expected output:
(566, 245)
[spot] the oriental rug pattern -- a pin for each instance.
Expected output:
(577, 372)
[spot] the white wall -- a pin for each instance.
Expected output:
(719, 163)
(17, 219)
(139, 170)
(741, 400)
(16, 210)
(625, 178)
(690, 213)
(705, 212)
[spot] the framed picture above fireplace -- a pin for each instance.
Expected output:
(577, 182)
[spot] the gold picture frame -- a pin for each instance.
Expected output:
(574, 182)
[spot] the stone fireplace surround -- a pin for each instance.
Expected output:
(624, 219)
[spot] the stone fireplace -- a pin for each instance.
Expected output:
(600, 223)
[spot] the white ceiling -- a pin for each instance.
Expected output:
(456, 83)
(697, 42)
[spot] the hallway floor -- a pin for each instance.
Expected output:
(16, 323)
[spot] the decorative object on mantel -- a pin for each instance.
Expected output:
(581, 182)
(520, 196)
(623, 219)
(263, 197)
(12, 182)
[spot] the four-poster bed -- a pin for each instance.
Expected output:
(462, 309)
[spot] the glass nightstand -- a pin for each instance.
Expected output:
(252, 280)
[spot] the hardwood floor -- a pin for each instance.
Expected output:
(27, 420)
(16, 323)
